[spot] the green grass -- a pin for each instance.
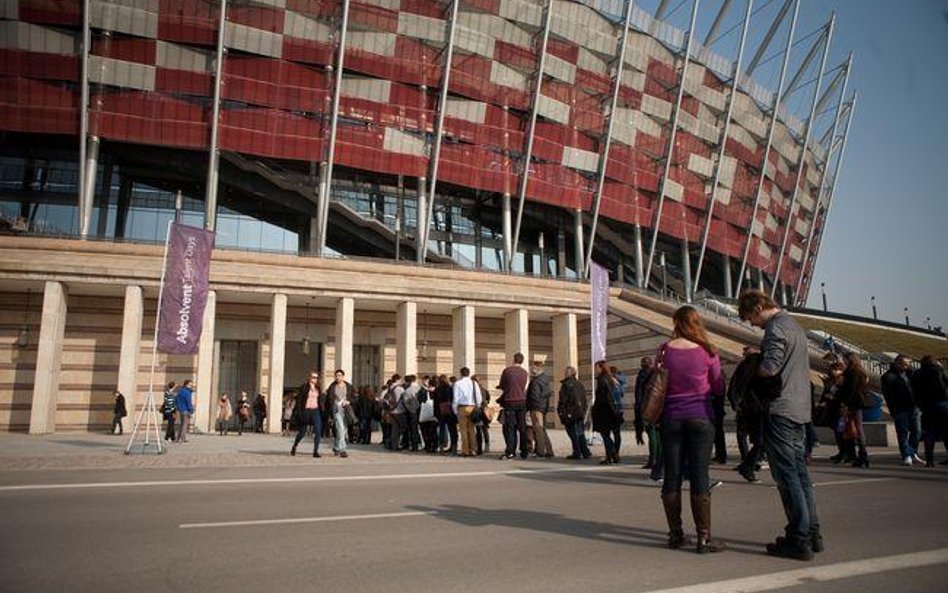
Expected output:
(880, 339)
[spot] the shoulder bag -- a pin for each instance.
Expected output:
(653, 401)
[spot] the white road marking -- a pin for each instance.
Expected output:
(304, 520)
(805, 576)
(357, 478)
(857, 481)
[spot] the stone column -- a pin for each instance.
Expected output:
(128, 357)
(406, 338)
(517, 335)
(48, 359)
(462, 325)
(274, 393)
(345, 326)
(726, 269)
(204, 404)
(565, 351)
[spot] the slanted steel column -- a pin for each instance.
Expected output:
(765, 43)
(210, 192)
(671, 141)
(326, 189)
(721, 152)
(718, 19)
(832, 191)
(525, 176)
(604, 158)
(802, 160)
(801, 69)
(831, 148)
(639, 279)
(439, 130)
(84, 117)
(91, 166)
(770, 139)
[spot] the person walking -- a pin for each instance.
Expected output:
(339, 396)
(897, 392)
(641, 426)
(571, 408)
(465, 397)
(618, 394)
(412, 405)
(307, 413)
(482, 426)
(687, 428)
(930, 386)
(289, 405)
(244, 412)
(168, 410)
(854, 394)
(785, 356)
(605, 416)
(513, 385)
(538, 404)
(184, 405)
(118, 412)
(746, 392)
(259, 412)
(224, 414)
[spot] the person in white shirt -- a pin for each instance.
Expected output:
(467, 396)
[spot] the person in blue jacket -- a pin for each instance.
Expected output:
(185, 408)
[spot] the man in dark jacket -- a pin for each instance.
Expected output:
(572, 412)
(118, 412)
(513, 384)
(930, 387)
(897, 391)
(538, 404)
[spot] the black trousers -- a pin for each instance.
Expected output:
(312, 418)
(720, 448)
(515, 425)
(169, 430)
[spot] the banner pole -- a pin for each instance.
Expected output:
(150, 399)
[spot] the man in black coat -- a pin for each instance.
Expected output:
(897, 391)
(571, 409)
(538, 404)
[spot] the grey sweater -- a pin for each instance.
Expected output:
(785, 355)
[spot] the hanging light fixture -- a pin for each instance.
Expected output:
(424, 336)
(23, 338)
(306, 333)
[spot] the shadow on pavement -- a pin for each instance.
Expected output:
(562, 525)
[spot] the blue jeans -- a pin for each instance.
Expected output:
(784, 441)
(907, 427)
(574, 429)
(687, 443)
(339, 418)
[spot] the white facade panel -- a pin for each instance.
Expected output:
(796, 254)
(397, 141)
(722, 196)
(701, 165)
(553, 109)
(139, 18)
(728, 169)
(507, 76)
(9, 9)
(559, 69)
(496, 27)
(742, 137)
(656, 107)
(624, 133)
(472, 111)
(577, 158)
(633, 79)
(422, 27)
(382, 44)
(473, 42)
(587, 60)
(522, 11)
(254, 41)
(121, 73)
(180, 57)
(370, 89)
(674, 190)
(301, 26)
(387, 4)
(29, 37)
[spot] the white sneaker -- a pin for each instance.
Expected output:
(918, 460)
(907, 460)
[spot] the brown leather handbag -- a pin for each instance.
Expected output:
(653, 401)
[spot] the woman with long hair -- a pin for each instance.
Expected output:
(605, 415)
(687, 424)
(853, 393)
(224, 414)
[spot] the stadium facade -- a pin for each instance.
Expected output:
(523, 136)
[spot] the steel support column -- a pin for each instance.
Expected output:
(604, 158)
(721, 152)
(711, 37)
(506, 225)
(639, 279)
(825, 174)
(210, 192)
(770, 138)
(326, 190)
(91, 166)
(765, 43)
(802, 160)
(84, 116)
(525, 176)
(801, 69)
(439, 130)
(832, 191)
(578, 237)
(670, 153)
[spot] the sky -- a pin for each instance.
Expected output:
(887, 234)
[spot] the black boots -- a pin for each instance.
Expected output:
(676, 536)
(863, 459)
(701, 511)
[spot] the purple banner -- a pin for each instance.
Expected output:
(187, 271)
(599, 309)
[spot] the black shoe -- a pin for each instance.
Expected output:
(943, 462)
(343, 454)
(574, 456)
(816, 542)
(749, 475)
(316, 454)
(784, 549)
(647, 466)
(293, 452)
(607, 461)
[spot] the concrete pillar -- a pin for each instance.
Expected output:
(274, 391)
(639, 278)
(565, 346)
(204, 400)
(686, 268)
(421, 220)
(48, 359)
(760, 280)
(406, 338)
(507, 231)
(462, 325)
(578, 261)
(88, 192)
(517, 334)
(345, 327)
(128, 356)
(561, 253)
(728, 283)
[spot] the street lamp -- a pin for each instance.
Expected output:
(823, 291)
(906, 316)
(872, 300)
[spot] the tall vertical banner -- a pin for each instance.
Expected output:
(184, 292)
(599, 309)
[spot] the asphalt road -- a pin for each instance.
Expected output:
(444, 525)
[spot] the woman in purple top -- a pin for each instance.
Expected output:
(687, 424)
